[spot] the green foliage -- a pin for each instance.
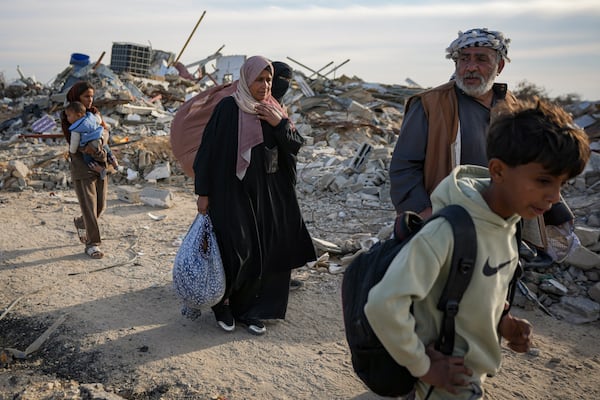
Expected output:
(526, 91)
(566, 99)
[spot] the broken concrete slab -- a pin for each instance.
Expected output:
(582, 257)
(128, 194)
(157, 197)
(576, 310)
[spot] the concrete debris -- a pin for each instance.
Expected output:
(321, 263)
(128, 194)
(594, 292)
(335, 269)
(326, 246)
(588, 237)
(350, 129)
(576, 310)
(159, 171)
(583, 258)
(155, 197)
(554, 287)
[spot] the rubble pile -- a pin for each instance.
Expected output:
(350, 127)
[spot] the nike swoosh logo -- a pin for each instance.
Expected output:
(488, 270)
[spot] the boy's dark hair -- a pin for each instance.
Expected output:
(76, 106)
(541, 132)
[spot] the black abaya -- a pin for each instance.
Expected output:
(257, 220)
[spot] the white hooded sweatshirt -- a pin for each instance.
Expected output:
(418, 274)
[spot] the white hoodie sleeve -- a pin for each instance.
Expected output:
(409, 278)
(75, 139)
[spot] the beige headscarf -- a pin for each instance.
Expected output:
(249, 128)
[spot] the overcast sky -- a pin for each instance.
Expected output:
(555, 43)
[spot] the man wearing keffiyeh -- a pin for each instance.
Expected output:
(446, 126)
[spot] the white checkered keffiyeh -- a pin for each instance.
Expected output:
(479, 37)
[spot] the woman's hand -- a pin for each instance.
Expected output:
(269, 113)
(202, 204)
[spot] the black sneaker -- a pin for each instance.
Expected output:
(224, 317)
(254, 326)
(295, 284)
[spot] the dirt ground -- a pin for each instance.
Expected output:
(123, 336)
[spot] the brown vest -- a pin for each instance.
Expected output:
(441, 111)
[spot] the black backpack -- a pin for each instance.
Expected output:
(371, 361)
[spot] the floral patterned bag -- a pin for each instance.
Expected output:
(198, 274)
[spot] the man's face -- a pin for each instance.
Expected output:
(476, 70)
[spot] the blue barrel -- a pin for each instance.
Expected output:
(79, 60)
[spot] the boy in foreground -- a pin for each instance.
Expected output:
(533, 149)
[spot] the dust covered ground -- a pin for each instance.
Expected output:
(123, 336)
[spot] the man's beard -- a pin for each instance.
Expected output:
(481, 89)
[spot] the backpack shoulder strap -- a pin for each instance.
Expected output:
(510, 297)
(464, 254)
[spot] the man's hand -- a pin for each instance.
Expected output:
(445, 372)
(517, 333)
(202, 204)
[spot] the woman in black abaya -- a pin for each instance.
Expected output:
(245, 177)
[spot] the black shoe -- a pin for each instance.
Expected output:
(224, 317)
(254, 326)
(295, 284)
